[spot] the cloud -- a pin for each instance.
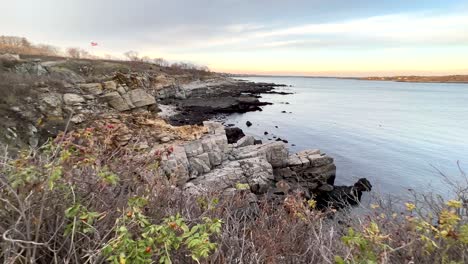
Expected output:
(383, 31)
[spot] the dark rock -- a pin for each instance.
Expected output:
(276, 126)
(265, 133)
(285, 141)
(258, 142)
(284, 112)
(343, 196)
(248, 124)
(233, 134)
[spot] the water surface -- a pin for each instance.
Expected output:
(398, 135)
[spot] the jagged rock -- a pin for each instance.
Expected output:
(245, 141)
(51, 104)
(78, 119)
(9, 57)
(274, 152)
(116, 101)
(210, 164)
(165, 139)
(234, 134)
(109, 85)
(121, 90)
(343, 196)
(259, 174)
(193, 148)
(91, 88)
(140, 98)
(31, 67)
(73, 99)
(214, 127)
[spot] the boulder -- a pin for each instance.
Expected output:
(275, 153)
(73, 99)
(234, 134)
(50, 104)
(140, 98)
(116, 101)
(245, 141)
(109, 85)
(259, 174)
(91, 88)
(9, 57)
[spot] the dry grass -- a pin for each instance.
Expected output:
(84, 167)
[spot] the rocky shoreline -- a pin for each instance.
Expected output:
(204, 155)
(204, 102)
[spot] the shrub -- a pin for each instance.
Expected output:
(80, 199)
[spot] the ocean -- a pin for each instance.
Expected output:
(400, 136)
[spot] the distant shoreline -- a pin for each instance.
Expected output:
(462, 79)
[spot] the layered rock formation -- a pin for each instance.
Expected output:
(210, 164)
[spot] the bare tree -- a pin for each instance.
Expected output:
(132, 55)
(161, 62)
(74, 53)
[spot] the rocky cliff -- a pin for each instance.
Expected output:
(210, 164)
(62, 95)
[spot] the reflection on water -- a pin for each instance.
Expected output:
(398, 135)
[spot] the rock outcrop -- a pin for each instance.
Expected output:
(210, 164)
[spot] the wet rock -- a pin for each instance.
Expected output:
(234, 134)
(248, 124)
(343, 196)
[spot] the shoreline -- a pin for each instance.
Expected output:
(211, 101)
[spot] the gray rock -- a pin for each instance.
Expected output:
(73, 99)
(259, 174)
(116, 101)
(165, 139)
(109, 85)
(274, 152)
(51, 104)
(78, 119)
(9, 57)
(193, 148)
(140, 98)
(245, 141)
(326, 188)
(121, 90)
(91, 88)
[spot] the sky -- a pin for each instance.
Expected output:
(294, 37)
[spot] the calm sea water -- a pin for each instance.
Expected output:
(398, 135)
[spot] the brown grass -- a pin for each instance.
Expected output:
(32, 219)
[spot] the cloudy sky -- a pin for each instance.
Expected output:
(313, 37)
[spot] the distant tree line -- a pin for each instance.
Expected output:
(21, 45)
(134, 56)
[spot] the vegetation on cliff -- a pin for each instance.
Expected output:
(82, 199)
